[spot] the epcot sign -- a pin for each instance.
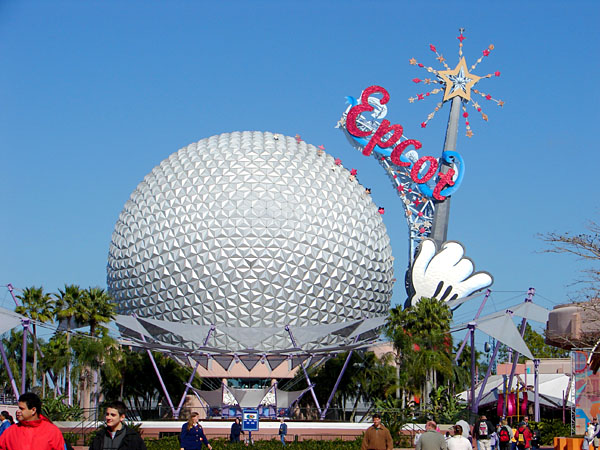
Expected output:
(394, 133)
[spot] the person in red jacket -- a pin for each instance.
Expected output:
(33, 431)
(523, 436)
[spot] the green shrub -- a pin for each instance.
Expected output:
(166, 443)
(551, 428)
(71, 438)
(57, 409)
(172, 443)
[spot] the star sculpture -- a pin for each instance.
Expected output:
(457, 82)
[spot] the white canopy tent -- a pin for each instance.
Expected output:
(552, 389)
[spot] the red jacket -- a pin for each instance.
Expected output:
(32, 435)
(527, 435)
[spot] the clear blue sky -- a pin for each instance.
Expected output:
(94, 94)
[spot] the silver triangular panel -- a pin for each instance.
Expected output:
(250, 361)
(503, 328)
(275, 360)
(531, 311)
(223, 360)
(201, 359)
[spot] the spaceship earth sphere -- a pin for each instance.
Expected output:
(250, 229)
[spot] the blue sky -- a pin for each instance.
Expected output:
(94, 94)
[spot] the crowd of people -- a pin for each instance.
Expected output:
(33, 431)
(484, 434)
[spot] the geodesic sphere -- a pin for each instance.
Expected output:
(250, 229)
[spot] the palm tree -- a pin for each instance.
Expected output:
(99, 308)
(57, 356)
(423, 344)
(38, 306)
(95, 308)
(66, 307)
(374, 379)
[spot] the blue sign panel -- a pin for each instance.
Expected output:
(250, 420)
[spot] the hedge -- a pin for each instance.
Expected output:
(172, 443)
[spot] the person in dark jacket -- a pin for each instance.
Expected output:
(483, 430)
(236, 430)
(116, 435)
(282, 430)
(192, 436)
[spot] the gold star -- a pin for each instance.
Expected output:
(449, 75)
(411, 100)
(500, 103)
(441, 58)
(412, 61)
(469, 133)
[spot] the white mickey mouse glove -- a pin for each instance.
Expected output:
(445, 275)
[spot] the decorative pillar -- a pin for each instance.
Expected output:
(472, 332)
(10, 374)
(529, 298)
(25, 323)
(441, 215)
(536, 407)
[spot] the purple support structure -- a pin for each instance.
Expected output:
(50, 373)
(276, 389)
(17, 303)
(536, 407)
(187, 387)
(25, 323)
(4, 358)
(337, 382)
(189, 382)
(487, 376)
(529, 298)
(162, 383)
(312, 391)
(472, 332)
(464, 342)
(11, 289)
(10, 374)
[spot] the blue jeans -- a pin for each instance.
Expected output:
(282, 438)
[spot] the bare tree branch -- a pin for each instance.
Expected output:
(586, 247)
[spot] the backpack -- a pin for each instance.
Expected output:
(483, 428)
(521, 439)
(504, 435)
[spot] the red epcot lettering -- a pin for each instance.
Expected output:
(377, 138)
(433, 165)
(397, 152)
(445, 180)
(364, 106)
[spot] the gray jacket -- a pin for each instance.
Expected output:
(431, 440)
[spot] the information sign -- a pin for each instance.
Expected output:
(250, 420)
